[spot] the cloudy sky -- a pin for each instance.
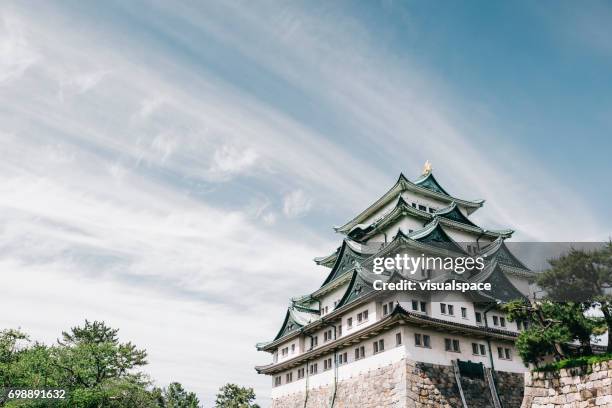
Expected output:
(172, 168)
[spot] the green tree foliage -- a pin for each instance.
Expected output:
(584, 277)
(577, 281)
(91, 364)
(234, 396)
(175, 396)
(551, 327)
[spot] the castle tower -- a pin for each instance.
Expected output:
(347, 344)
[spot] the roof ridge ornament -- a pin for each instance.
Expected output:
(427, 168)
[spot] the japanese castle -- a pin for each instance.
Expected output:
(338, 344)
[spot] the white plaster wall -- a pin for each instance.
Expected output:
(437, 354)
(333, 296)
(464, 236)
(298, 349)
(428, 202)
(371, 308)
(458, 300)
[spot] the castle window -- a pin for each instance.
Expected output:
(423, 306)
(349, 323)
(379, 346)
(387, 308)
(422, 340)
(452, 345)
(313, 368)
(359, 353)
(327, 335)
(478, 317)
(398, 339)
(495, 321)
(464, 312)
(431, 210)
(504, 353)
(277, 381)
(502, 321)
(447, 309)
(339, 330)
(342, 358)
(300, 373)
(289, 377)
(422, 207)
(362, 317)
(285, 351)
(292, 348)
(415, 305)
(413, 205)
(327, 364)
(314, 342)
(478, 349)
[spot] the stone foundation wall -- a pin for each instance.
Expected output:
(408, 384)
(510, 388)
(381, 387)
(573, 387)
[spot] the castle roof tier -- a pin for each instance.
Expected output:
(426, 186)
(400, 315)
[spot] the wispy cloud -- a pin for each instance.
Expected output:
(296, 204)
(16, 53)
(230, 160)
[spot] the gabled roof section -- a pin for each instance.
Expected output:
(328, 260)
(427, 187)
(433, 234)
(347, 257)
(359, 286)
(501, 287)
(453, 213)
(429, 182)
(402, 208)
(498, 252)
(296, 318)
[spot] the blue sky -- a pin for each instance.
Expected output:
(158, 155)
